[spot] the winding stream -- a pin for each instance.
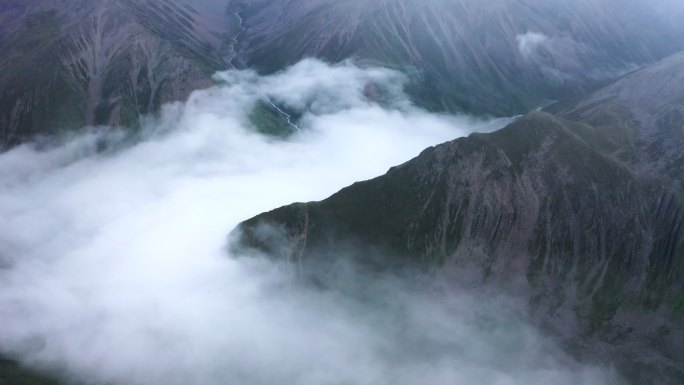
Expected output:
(234, 54)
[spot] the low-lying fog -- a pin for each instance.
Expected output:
(113, 267)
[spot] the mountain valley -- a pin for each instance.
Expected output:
(138, 136)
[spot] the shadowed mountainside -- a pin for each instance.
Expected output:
(13, 374)
(495, 57)
(580, 212)
(66, 64)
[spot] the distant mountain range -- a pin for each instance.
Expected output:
(578, 208)
(65, 64)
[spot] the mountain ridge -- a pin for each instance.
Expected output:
(493, 57)
(68, 64)
(547, 207)
(72, 64)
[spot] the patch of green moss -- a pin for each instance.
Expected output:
(268, 121)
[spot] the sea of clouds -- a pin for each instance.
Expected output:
(113, 262)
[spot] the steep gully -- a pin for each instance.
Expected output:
(234, 53)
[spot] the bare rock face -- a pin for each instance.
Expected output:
(572, 211)
(66, 64)
(493, 56)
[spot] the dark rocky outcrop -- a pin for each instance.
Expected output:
(578, 208)
(12, 373)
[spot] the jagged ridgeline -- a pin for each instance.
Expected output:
(65, 64)
(579, 208)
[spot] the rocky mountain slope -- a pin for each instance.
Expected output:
(66, 64)
(579, 209)
(497, 57)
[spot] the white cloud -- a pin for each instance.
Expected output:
(529, 43)
(564, 60)
(114, 269)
